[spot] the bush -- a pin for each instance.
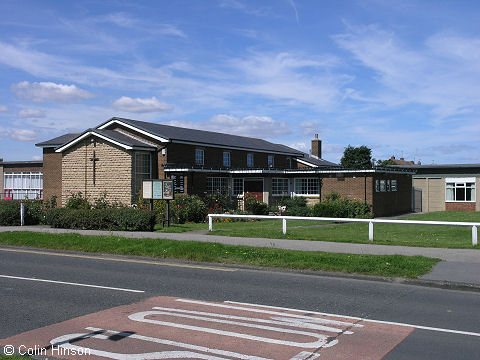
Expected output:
(333, 206)
(296, 206)
(76, 200)
(188, 208)
(126, 219)
(10, 212)
(219, 203)
(255, 207)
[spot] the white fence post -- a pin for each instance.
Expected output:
(474, 236)
(370, 231)
(22, 213)
(210, 223)
(284, 226)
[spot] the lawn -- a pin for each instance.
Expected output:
(384, 234)
(383, 265)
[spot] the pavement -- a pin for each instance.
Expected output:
(458, 266)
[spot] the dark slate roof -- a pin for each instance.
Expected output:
(114, 136)
(60, 140)
(439, 166)
(318, 162)
(20, 163)
(173, 133)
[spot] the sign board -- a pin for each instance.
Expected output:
(168, 190)
(157, 190)
(147, 189)
(178, 183)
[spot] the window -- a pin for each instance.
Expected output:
(23, 185)
(377, 185)
(460, 189)
(226, 159)
(217, 185)
(199, 157)
(238, 187)
(279, 187)
(394, 185)
(270, 161)
(307, 186)
(388, 185)
(383, 186)
(249, 160)
(143, 169)
(289, 163)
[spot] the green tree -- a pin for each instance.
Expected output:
(357, 157)
(385, 162)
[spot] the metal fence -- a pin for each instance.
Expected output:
(14, 194)
(348, 220)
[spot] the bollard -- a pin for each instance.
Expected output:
(474, 236)
(370, 231)
(22, 213)
(210, 224)
(284, 226)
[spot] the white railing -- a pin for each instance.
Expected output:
(369, 221)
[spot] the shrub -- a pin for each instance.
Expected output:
(333, 206)
(76, 200)
(219, 203)
(188, 208)
(296, 206)
(10, 212)
(252, 205)
(126, 219)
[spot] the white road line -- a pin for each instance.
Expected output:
(70, 283)
(460, 332)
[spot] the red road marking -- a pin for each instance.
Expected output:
(167, 328)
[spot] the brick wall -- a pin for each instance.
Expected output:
(350, 186)
(1, 182)
(52, 175)
(460, 206)
(113, 172)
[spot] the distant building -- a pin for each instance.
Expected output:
(402, 161)
(20, 180)
(119, 154)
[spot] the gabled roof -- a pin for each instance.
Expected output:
(316, 162)
(115, 137)
(167, 133)
(60, 140)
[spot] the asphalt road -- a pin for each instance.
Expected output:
(27, 305)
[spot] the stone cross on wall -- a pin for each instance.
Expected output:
(94, 160)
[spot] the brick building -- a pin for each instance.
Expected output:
(117, 155)
(21, 180)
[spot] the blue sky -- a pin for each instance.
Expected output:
(402, 77)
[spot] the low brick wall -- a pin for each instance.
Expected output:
(460, 206)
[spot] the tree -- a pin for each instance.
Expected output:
(385, 162)
(357, 157)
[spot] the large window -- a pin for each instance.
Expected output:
(279, 187)
(23, 185)
(143, 169)
(238, 186)
(199, 157)
(249, 160)
(307, 186)
(217, 185)
(226, 159)
(460, 189)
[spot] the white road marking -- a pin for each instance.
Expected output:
(64, 341)
(322, 340)
(305, 355)
(70, 283)
(306, 318)
(293, 322)
(460, 332)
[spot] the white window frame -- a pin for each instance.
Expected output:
(234, 187)
(394, 186)
(226, 159)
(217, 185)
(308, 193)
(283, 187)
(383, 185)
(199, 157)
(138, 184)
(250, 160)
(456, 184)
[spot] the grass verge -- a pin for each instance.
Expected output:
(382, 265)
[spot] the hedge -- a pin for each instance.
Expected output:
(342, 208)
(10, 212)
(125, 219)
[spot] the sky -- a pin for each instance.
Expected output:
(401, 77)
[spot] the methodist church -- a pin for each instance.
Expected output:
(117, 155)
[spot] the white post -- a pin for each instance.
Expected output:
(22, 214)
(370, 231)
(474, 236)
(210, 224)
(284, 226)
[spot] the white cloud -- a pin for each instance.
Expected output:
(49, 91)
(3, 108)
(139, 105)
(31, 114)
(37, 157)
(17, 134)
(252, 126)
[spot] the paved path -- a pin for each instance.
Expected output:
(459, 265)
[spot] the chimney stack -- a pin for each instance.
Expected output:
(317, 147)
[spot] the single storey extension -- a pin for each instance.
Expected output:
(20, 180)
(117, 155)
